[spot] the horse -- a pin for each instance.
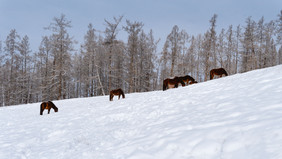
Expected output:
(188, 79)
(47, 105)
(116, 92)
(193, 82)
(172, 83)
(218, 72)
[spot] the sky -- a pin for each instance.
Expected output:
(29, 17)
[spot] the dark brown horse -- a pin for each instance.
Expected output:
(193, 82)
(188, 79)
(172, 83)
(218, 72)
(47, 105)
(116, 92)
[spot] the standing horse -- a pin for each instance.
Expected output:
(188, 79)
(172, 83)
(218, 72)
(116, 92)
(47, 105)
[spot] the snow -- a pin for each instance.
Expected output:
(232, 117)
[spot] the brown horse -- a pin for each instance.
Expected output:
(47, 105)
(188, 79)
(193, 82)
(172, 83)
(116, 92)
(218, 72)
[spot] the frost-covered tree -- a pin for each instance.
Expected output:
(11, 64)
(90, 69)
(249, 60)
(111, 42)
(133, 29)
(62, 46)
(44, 65)
(24, 81)
(173, 41)
(209, 44)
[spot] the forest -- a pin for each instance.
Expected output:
(102, 63)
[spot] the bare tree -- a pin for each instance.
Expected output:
(173, 41)
(133, 29)
(24, 75)
(62, 45)
(249, 61)
(110, 41)
(11, 50)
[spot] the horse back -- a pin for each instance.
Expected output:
(45, 105)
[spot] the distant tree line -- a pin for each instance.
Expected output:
(57, 71)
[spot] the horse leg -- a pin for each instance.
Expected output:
(41, 111)
(164, 87)
(49, 110)
(42, 107)
(118, 96)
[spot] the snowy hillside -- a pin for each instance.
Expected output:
(235, 117)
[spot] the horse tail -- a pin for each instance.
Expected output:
(123, 96)
(225, 73)
(41, 108)
(211, 75)
(164, 86)
(111, 95)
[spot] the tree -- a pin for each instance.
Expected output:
(62, 46)
(12, 64)
(249, 61)
(133, 29)
(90, 69)
(230, 51)
(173, 41)
(279, 28)
(110, 42)
(222, 49)
(146, 51)
(24, 84)
(210, 48)
(237, 41)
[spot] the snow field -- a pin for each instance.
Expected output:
(233, 117)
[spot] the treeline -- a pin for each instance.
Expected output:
(57, 71)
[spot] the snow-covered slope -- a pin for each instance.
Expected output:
(235, 117)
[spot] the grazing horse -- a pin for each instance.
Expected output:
(172, 83)
(192, 82)
(47, 105)
(188, 79)
(116, 92)
(218, 72)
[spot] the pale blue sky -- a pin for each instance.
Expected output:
(29, 17)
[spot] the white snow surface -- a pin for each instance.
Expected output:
(234, 117)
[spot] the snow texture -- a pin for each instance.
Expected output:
(234, 117)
